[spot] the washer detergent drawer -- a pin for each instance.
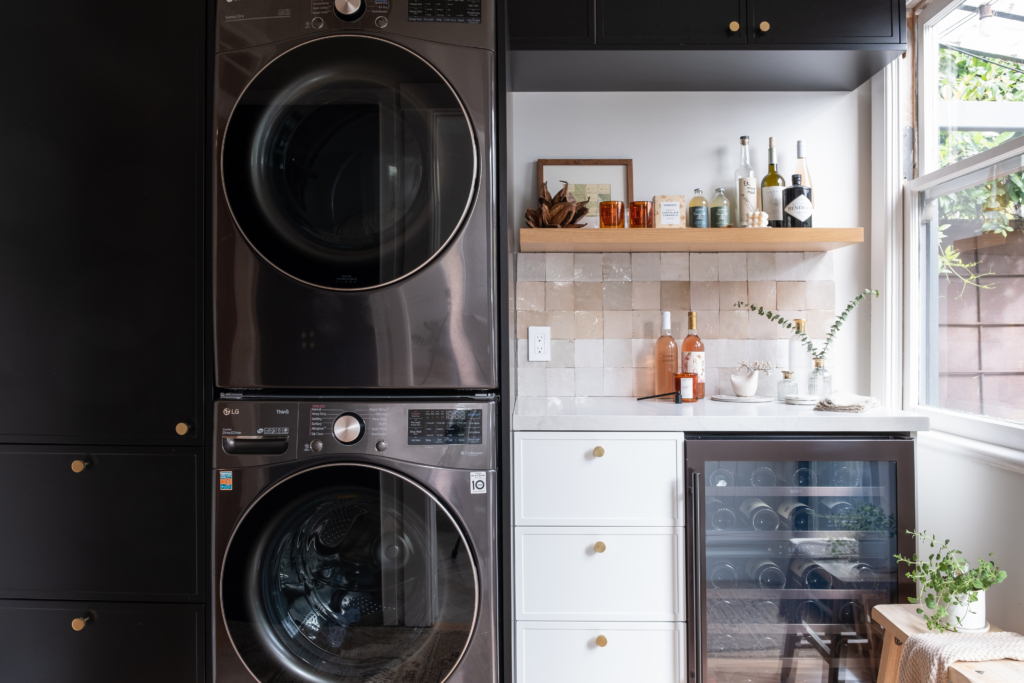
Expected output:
(599, 479)
(102, 524)
(600, 574)
(548, 652)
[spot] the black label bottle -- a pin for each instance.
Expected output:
(797, 202)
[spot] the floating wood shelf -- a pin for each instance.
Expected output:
(688, 239)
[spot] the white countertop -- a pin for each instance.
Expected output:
(630, 415)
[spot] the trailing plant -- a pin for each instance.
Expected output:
(816, 353)
(947, 579)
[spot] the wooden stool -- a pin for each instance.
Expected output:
(902, 621)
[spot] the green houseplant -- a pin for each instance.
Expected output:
(951, 587)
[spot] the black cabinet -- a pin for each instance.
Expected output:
(101, 230)
(39, 642)
(103, 524)
(551, 23)
(812, 22)
(671, 22)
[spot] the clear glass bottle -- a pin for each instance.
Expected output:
(820, 381)
(772, 187)
(666, 358)
(787, 386)
(693, 353)
(746, 185)
(803, 168)
(719, 209)
(800, 360)
(697, 216)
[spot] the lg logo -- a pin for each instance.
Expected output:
(231, 411)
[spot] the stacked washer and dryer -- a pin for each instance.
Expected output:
(355, 314)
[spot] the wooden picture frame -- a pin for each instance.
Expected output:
(628, 163)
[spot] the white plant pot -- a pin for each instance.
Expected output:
(971, 616)
(744, 385)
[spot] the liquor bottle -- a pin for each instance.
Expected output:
(721, 517)
(771, 188)
(811, 574)
(697, 217)
(746, 185)
(758, 515)
(845, 474)
(693, 352)
(665, 358)
(796, 200)
(800, 474)
(810, 612)
(719, 209)
(802, 167)
(800, 360)
(769, 576)
(796, 516)
(723, 575)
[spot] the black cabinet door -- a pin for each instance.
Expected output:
(671, 22)
(550, 23)
(100, 232)
(811, 22)
(126, 527)
(117, 644)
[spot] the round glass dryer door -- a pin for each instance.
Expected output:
(349, 163)
(349, 574)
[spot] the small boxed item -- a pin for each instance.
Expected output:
(670, 211)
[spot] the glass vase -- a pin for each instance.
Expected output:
(820, 381)
(787, 386)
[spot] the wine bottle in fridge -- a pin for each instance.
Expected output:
(834, 512)
(723, 575)
(758, 515)
(757, 474)
(810, 612)
(845, 474)
(796, 516)
(720, 516)
(800, 474)
(810, 574)
(767, 574)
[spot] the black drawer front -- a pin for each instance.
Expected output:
(126, 527)
(119, 643)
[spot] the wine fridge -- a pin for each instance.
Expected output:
(790, 545)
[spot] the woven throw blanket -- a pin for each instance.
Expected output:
(927, 656)
(845, 402)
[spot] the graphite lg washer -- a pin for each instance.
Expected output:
(354, 194)
(355, 541)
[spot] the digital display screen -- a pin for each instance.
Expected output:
(444, 427)
(445, 11)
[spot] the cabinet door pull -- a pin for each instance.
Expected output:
(600, 547)
(78, 466)
(602, 641)
(182, 428)
(765, 27)
(79, 623)
(734, 26)
(598, 452)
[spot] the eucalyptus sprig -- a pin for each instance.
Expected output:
(805, 340)
(948, 579)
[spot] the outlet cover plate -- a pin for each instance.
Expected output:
(539, 344)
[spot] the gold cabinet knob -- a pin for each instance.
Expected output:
(600, 547)
(598, 452)
(78, 466)
(602, 641)
(181, 428)
(734, 26)
(765, 27)
(79, 623)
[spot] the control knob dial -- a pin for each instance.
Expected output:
(349, 10)
(348, 428)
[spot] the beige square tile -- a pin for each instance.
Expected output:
(587, 268)
(646, 324)
(563, 324)
(734, 325)
(646, 267)
(618, 296)
(705, 295)
(532, 381)
(760, 267)
(790, 316)
(792, 296)
(730, 293)
(560, 381)
(530, 296)
(643, 381)
(528, 319)
(589, 353)
(704, 267)
(617, 268)
(589, 296)
(708, 324)
(675, 296)
(762, 328)
(618, 353)
(618, 325)
(618, 381)
(563, 353)
(818, 323)
(675, 267)
(589, 324)
(523, 356)
(680, 324)
(559, 267)
(646, 295)
(821, 295)
(732, 267)
(818, 266)
(590, 381)
(643, 353)
(789, 266)
(559, 296)
(530, 268)
(762, 293)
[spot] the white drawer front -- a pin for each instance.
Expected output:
(638, 481)
(562, 652)
(561, 576)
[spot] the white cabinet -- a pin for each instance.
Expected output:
(560, 652)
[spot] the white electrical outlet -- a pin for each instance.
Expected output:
(540, 344)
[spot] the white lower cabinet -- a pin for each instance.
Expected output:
(560, 652)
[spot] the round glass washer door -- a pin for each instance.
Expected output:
(349, 574)
(349, 163)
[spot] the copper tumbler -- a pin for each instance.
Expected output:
(641, 215)
(613, 214)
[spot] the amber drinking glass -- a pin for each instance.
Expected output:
(613, 214)
(641, 215)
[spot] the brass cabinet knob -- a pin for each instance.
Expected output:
(182, 428)
(765, 27)
(600, 547)
(78, 466)
(734, 26)
(598, 452)
(602, 641)
(79, 623)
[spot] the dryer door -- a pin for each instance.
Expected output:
(349, 163)
(349, 573)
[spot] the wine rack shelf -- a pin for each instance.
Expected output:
(794, 491)
(688, 239)
(791, 593)
(742, 535)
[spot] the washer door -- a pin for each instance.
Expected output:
(349, 573)
(349, 163)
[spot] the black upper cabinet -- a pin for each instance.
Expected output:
(101, 229)
(813, 22)
(551, 23)
(671, 22)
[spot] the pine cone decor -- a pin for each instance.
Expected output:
(560, 211)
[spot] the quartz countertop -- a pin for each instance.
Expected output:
(629, 415)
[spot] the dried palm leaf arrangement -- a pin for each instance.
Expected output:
(560, 211)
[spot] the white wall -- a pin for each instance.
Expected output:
(680, 141)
